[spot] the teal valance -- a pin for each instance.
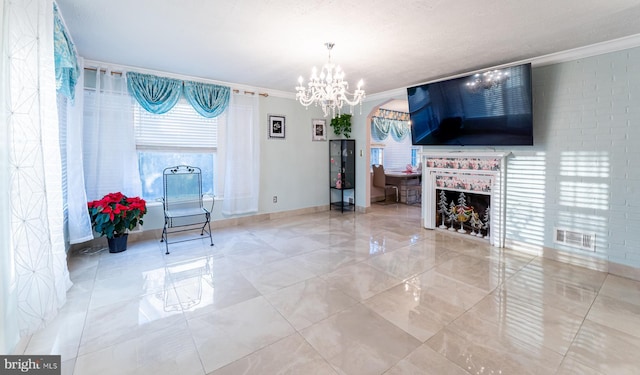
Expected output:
(207, 99)
(159, 94)
(66, 61)
(385, 121)
(379, 129)
(155, 94)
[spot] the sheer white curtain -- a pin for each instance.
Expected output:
(37, 273)
(8, 294)
(242, 154)
(109, 153)
(79, 222)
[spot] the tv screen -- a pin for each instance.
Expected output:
(492, 108)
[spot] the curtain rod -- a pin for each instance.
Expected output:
(101, 70)
(251, 92)
(120, 73)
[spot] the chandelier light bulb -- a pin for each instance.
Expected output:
(487, 80)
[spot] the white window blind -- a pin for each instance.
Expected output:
(397, 154)
(180, 128)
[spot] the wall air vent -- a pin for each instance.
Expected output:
(580, 240)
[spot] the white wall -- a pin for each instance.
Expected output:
(295, 169)
(582, 173)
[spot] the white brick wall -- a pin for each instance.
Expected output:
(587, 138)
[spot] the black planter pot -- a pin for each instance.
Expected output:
(118, 244)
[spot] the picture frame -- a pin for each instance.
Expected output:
(277, 126)
(319, 129)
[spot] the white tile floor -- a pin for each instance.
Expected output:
(333, 293)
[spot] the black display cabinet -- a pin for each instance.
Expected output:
(342, 174)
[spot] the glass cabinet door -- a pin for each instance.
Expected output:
(335, 164)
(342, 174)
(349, 165)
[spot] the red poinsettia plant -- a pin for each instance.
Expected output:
(115, 214)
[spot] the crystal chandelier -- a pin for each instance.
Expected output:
(487, 80)
(329, 89)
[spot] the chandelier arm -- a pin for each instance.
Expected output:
(305, 101)
(358, 96)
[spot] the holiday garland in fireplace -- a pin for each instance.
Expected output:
(464, 216)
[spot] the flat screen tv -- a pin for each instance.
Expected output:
(492, 108)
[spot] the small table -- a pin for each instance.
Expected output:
(406, 183)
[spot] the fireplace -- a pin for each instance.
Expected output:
(463, 212)
(465, 192)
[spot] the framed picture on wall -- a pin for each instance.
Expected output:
(319, 130)
(276, 126)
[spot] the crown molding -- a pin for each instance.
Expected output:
(400, 93)
(602, 48)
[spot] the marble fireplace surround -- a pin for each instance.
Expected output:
(469, 172)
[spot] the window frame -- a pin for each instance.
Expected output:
(184, 116)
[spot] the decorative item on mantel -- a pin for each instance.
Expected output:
(114, 216)
(329, 89)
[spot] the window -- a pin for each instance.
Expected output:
(178, 137)
(396, 154)
(414, 155)
(377, 154)
(153, 163)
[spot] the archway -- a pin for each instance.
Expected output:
(393, 152)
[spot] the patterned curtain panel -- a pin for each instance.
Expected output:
(155, 94)
(207, 99)
(65, 57)
(9, 332)
(38, 270)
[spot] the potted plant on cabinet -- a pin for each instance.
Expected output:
(341, 124)
(114, 216)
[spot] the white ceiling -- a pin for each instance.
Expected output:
(390, 44)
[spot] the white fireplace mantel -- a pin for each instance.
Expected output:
(463, 169)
